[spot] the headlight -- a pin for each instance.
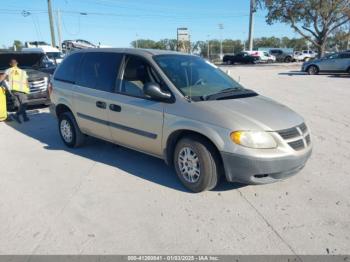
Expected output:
(254, 139)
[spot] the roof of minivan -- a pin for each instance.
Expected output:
(136, 51)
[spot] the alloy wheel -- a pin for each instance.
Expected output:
(188, 163)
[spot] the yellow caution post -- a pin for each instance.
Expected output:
(3, 107)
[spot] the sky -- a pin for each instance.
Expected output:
(118, 22)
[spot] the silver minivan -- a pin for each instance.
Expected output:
(179, 108)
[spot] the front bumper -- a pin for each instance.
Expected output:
(38, 98)
(259, 170)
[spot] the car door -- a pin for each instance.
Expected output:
(95, 83)
(329, 64)
(344, 62)
(135, 120)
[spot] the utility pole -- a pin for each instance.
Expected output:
(208, 51)
(251, 23)
(52, 29)
(59, 31)
(221, 27)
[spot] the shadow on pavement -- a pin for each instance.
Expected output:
(43, 127)
(340, 76)
(294, 73)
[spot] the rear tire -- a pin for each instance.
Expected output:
(197, 164)
(312, 70)
(70, 131)
(288, 59)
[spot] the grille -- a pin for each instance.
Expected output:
(289, 133)
(308, 140)
(297, 145)
(297, 137)
(37, 85)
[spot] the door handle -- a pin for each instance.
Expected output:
(115, 108)
(101, 104)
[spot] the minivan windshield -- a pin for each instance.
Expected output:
(195, 77)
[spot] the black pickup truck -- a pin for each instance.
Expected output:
(38, 69)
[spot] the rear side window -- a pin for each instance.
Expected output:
(99, 71)
(67, 70)
(345, 55)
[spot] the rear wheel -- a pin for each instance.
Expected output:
(312, 70)
(70, 131)
(288, 59)
(197, 164)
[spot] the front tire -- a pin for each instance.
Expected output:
(197, 164)
(70, 131)
(312, 70)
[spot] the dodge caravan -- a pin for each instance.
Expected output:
(179, 108)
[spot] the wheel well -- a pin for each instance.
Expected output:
(177, 135)
(312, 65)
(61, 108)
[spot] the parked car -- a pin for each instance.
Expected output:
(281, 55)
(309, 53)
(52, 53)
(333, 63)
(299, 56)
(68, 45)
(263, 56)
(182, 109)
(240, 58)
(37, 69)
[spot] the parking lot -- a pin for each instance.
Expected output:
(105, 199)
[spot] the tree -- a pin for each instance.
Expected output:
(17, 45)
(315, 20)
(144, 43)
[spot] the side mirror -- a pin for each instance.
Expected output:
(153, 90)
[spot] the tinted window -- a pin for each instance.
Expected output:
(137, 72)
(345, 55)
(334, 56)
(99, 71)
(68, 68)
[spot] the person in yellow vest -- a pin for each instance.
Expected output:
(17, 82)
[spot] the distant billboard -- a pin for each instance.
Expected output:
(183, 34)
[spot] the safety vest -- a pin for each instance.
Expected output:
(18, 80)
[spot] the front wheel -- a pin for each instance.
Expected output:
(70, 131)
(312, 70)
(197, 164)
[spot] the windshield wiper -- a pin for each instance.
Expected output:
(230, 93)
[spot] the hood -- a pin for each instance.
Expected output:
(35, 74)
(253, 113)
(25, 60)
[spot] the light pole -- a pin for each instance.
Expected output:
(221, 27)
